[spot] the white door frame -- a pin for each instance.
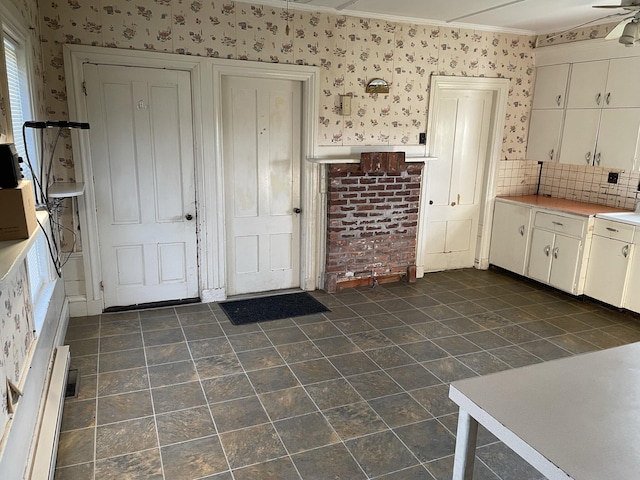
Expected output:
(207, 129)
(311, 250)
(500, 89)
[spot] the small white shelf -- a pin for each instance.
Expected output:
(65, 189)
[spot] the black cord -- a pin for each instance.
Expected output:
(30, 165)
(54, 251)
(53, 151)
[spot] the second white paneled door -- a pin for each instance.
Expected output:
(142, 156)
(455, 180)
(261, 145)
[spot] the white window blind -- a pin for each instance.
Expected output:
(19, 106)
(16, 80)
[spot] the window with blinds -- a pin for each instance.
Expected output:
(20, 108)
(18, 95)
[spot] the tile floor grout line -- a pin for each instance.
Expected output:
(350, 328)
(204, 393)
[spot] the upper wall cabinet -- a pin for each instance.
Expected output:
(603, 138)
(588, 84)
(545, 128)
(604, 84)
(551, 86)
(599, 123)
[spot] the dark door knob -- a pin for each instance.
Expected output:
(188, 216)
(296, 210)
(430, 202)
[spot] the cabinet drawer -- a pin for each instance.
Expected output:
(615, 230)
(573, 226)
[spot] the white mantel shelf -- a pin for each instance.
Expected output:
(333, 161)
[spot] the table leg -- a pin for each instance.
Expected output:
(465, 446)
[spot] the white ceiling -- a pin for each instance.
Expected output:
(522, 16)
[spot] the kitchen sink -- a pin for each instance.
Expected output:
(631, 218)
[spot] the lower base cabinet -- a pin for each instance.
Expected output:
(554, 259)
(631, 299)
(607, 270)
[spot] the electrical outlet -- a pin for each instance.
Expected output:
(613, 177)
(422, 138)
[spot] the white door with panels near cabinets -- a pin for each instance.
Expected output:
(261, 145)
(456, 179)
(142, 154)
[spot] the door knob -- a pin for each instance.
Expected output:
(430, 202)
(188, 216)
(296, 210)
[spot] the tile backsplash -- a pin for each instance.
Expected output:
(573, 182)
(518, 177)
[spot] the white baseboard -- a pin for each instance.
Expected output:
(213, 295)
(79, 306)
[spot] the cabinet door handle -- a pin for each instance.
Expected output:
(607, 99)
(598, 158)
(555, 252)
(588, 158)
(559, 224)
(551, 154)
(558, 100)
(547, 249)
(625, 251)
(521, 230)
(612, 229)
(598, 98)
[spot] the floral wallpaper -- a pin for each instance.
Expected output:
(349, 50)
(16, 314)
(586, 33)
(16, 332)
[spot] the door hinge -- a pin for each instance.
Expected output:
(84, 88)
(101, 286)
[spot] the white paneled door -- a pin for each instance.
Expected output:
(142, 155)
(261, 145)
(456, 178)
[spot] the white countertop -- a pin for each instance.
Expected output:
(581, 414)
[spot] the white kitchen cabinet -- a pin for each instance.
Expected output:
(602, 120)
(510, 236)
(555, 255)
(618, 136)
(540, 255)
(545, 128)
(579, 135)
(601, 137)
(551, 86)
(588, 84)
(604, 84)
(631, 299)
(609, 261)
(622, 88)
(554, 259)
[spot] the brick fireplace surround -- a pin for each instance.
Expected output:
(372, 220)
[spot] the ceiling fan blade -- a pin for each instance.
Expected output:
(626, 4)
(618, 29)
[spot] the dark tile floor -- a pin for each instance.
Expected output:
(357, 393)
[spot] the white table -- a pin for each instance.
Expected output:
(574, 418)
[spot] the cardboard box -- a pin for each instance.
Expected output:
(17, 212)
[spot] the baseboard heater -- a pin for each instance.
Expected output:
(44, 459)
